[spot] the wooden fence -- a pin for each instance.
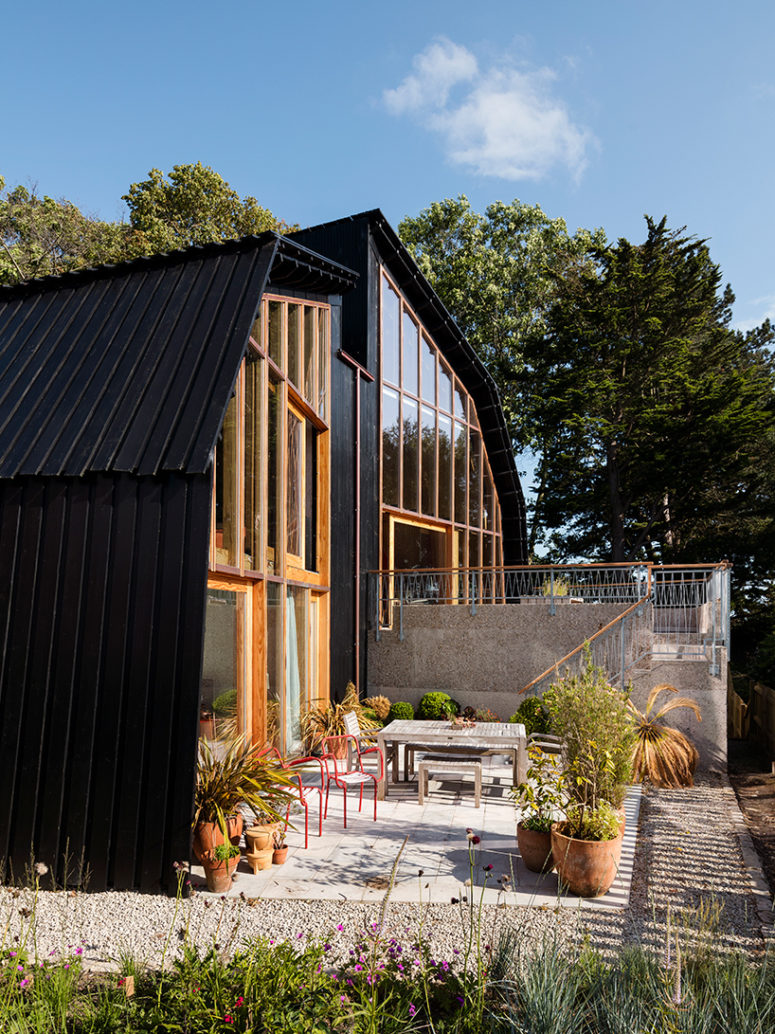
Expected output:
(753, 718)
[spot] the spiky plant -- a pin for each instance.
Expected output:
(325, 720)
(239, 774)
(663, 756)
(380, 705)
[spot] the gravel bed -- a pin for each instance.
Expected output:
(688, 861)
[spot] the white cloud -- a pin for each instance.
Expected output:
(766, 306)
(506, 123)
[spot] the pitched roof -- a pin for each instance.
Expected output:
(129, 368)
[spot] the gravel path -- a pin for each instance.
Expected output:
(688, 859)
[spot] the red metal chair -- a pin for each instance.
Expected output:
(304, 790)
(344, 759)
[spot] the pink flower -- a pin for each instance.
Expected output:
(24, 982)
(240, 1001)
(412, 1009)
(227, 1019)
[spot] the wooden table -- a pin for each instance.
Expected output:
(484, 738)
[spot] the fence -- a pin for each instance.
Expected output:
(753, 718)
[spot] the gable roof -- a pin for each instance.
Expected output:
(344, 239)
(129, 368)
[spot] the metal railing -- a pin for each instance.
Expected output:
(672, 612)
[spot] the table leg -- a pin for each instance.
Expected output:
(382, 785)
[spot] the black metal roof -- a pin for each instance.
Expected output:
(453, 345)
(129, 368)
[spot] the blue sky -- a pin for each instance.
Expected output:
(599, 111)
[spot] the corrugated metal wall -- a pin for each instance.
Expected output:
(102, 595)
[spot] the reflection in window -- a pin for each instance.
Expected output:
(296, 666)
(274, 466)
(310, 497)
(461, 473)
(294, 484)
(474, 467)
(428, 461)
(274, 664)
(410, 454)
(390, 342)
(253, 430)
(445, 388)
(226, 490)
(324, 359)
(410, 354)
(294, 343)
(309, 354)
(275, 332)
(428, 372)
(445, 467)
(391, 447)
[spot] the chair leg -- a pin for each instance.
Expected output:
(478, 786)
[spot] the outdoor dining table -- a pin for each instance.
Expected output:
(482, 738)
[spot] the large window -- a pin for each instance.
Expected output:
(433, 461)
(269, 542)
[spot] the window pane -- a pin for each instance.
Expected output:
(255, 330)
(294, 343)
(488, 501)
(324, 360)
(390, 343)
(411, 453)
(310, 498)
(428, 372)
(273, 478)
(445, 466)
(253, 431)
(474, 555)
(309, 354)
(461, 473)
(445, 388)
(274, 664)
(411, 355)
(474, 466)
(428, 461)
(391, 442)
(275, 331)
(223, 660)
(226, 508)
(460, 402)
(296, 666)
(488, 554)
(294, 485)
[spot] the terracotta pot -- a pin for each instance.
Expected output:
(207, 836)
(261, 837)
(280, 855)
(258, 860)
(535, 849)
(585, 867)
(219, 874)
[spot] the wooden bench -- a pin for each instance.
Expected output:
(436, 763)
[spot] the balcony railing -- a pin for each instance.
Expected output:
(671, 612)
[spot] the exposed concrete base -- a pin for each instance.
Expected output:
(484, 660)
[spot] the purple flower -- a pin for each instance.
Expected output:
(339, 926)
(488, 868)
(412, 1009)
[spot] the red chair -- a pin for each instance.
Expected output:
(344, 760)
(304, 790)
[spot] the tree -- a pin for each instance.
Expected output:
(43, 236)
(498, 273)
(653, 409)
(194, 205)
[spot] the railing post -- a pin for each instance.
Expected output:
(552, 606)
(622, 653)
(400, 608)
(473, 587)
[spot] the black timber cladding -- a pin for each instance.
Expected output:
(346, 240)
(113, 387)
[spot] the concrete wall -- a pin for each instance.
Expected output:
(483, 660)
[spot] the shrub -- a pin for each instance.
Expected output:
(532, 714)
(380, 705)
(484, 714)
(435, 706)
(225, 705)
(663, 755)
(596, 727)
(400, 709)
(327, 719)
(373, 717)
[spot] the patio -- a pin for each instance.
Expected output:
(354, 864)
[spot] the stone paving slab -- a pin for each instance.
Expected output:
(355, 864)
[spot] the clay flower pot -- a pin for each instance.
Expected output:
(218, 873)
(207, 836)
(585, 867)
(280, 855)
(535, 849)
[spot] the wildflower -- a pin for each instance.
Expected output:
(458, 999)
(421, 872)
(469, 830)
(240, 1001)
(24, 982)
(20, 969)
(339, 926)
(41, 868)
(326, 947)
(474, 839)
(487, 868)
(455, 901)
(79, 951)
(342, 998)
(299, 936)
(358, 967)
(412, 1009)
(227, 1018)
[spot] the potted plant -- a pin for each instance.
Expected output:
(238, 775)
(596, 727)
(280, 853)
(324, 720)
(219, 866)
(541, 800)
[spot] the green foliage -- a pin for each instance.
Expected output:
(542, 797)
(435, 706)
(373, 717)
(600, 822)
(225, 704)
(596, 727)
(223, 852)
(192, 205)
(533, 715)
(401, 709)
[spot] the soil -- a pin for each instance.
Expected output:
(751, 774)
